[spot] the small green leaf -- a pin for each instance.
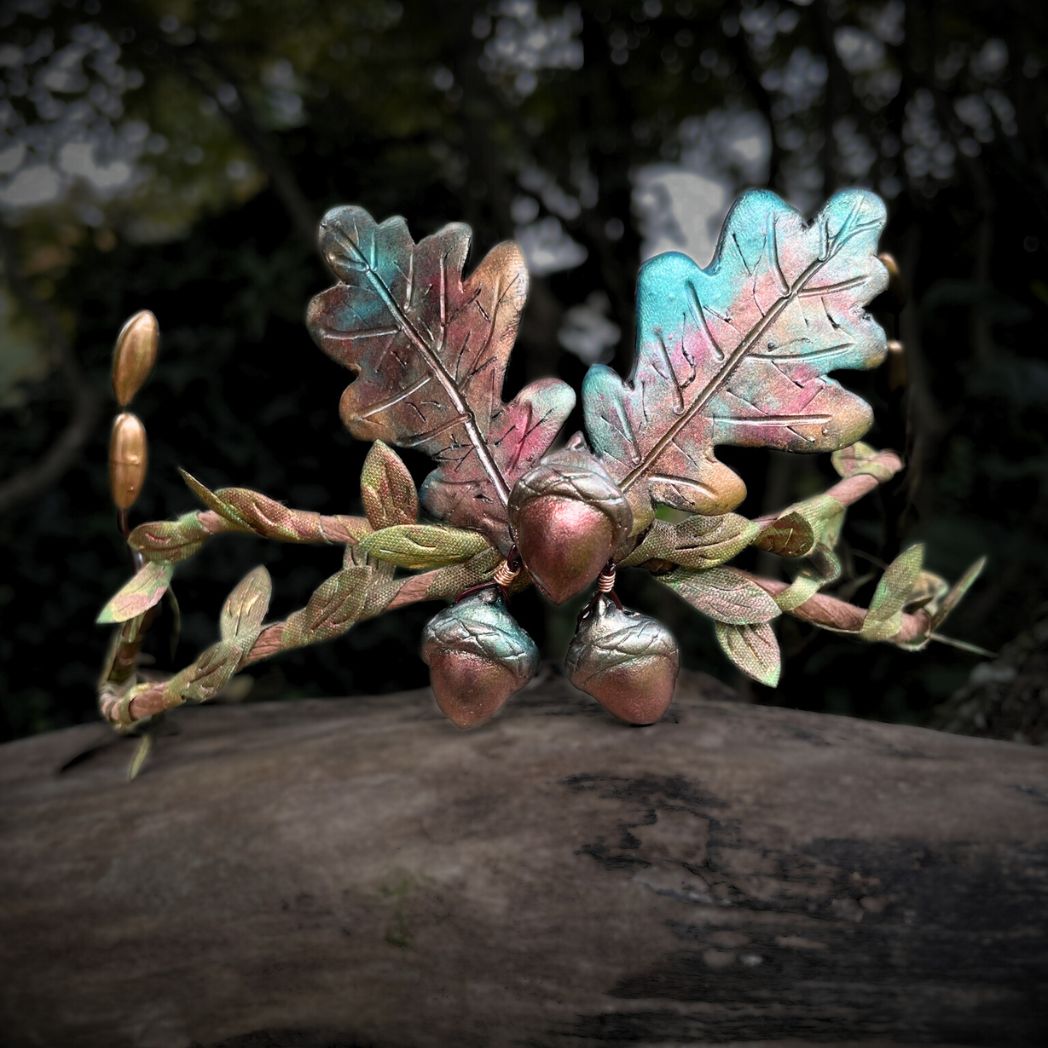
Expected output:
(246, 606)
(214, 501)
(705, 542)
(422, 545)
(208, 675)
(860, 458)
(754, 649)
(802, 528)
(170, 540)
(824, 568)
(798, 592)
(789, 535)
(386, 488)
(176, 620)
(723, 594)
(884, 617)
(696, 542)
(956, 593)
(656, 543)
(337, 602)
(145, 589)
(141, 755)
(927, 591)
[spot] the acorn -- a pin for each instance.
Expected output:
(478, 656)
(128, 459)
(627, 661)
(568, 517)
(134, 355)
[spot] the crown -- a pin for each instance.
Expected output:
(735, 353)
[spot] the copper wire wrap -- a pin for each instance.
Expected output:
(505, 575)
(606, 579)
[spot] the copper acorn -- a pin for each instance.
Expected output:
(568, 517)
(627, 661)
(128, 459)
(134, 355)
(478, 656)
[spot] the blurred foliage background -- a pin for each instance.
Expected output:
(177, 157)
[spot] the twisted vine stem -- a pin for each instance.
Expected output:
(124, 703)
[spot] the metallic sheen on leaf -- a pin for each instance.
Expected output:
(738, 353)
(430, 347)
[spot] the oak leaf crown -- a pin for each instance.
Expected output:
(737, 352)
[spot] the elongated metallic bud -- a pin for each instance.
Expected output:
(897, 367)
(478, 656)
(128, 459)
(896, 287)
(627, 661)
(134, 355)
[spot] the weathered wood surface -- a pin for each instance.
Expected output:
(357, 872)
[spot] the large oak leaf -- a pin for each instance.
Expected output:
(430, 348)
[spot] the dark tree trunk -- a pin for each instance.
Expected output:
(357, 872)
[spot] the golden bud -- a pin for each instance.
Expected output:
(134, 355)
(128, 459)
(896, 287)
(896, 364)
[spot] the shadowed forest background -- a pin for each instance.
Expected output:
(178, 157)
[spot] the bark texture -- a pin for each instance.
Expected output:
(358, 873)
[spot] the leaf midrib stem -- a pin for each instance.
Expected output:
(716, 384)
(444, 377)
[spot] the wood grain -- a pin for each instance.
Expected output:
(356, 872)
